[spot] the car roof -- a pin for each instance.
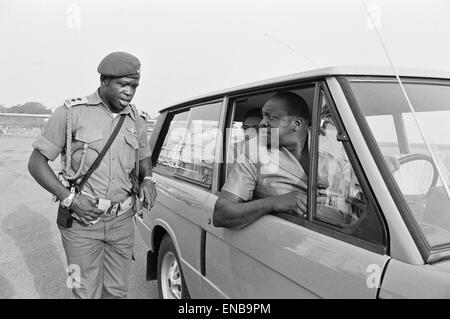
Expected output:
(360, 70)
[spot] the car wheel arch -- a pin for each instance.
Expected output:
(168, 251)
(159, 230)
(152, 260)
(158, 234)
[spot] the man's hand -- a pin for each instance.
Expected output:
(85, 207)
(321, 197)
(147, 192)
(302, 200)
(293, 202)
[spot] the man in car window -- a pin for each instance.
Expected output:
(250, 128)
(279, 190)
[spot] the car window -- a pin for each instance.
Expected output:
(188, 149)
(240, 141)
(341, 200)
(350, 213)
(383, 128)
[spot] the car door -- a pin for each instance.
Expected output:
(333, 253)
(184, 170)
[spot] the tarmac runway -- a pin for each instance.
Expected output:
(32, 260)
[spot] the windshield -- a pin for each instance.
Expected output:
(415, 147)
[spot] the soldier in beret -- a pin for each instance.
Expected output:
(99, 242)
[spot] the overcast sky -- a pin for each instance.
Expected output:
(51, 48)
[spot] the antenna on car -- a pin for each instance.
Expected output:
(291, 49)
(433, 156)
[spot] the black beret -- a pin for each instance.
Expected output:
(118, 64)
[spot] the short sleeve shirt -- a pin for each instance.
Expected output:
(265, 174)
(92, 124)
(252, 178)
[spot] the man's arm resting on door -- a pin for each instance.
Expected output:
(231, 211)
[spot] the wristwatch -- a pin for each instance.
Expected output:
(67, 202)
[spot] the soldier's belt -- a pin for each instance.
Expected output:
(120, 207)
(109, 208)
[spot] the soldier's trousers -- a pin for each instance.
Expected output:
(99, 256)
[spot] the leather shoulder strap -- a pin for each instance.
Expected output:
(102, 153)
(137, 126)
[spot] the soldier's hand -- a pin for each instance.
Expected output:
(147, 192)
(86, 207)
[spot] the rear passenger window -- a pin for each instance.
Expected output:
(188, 150)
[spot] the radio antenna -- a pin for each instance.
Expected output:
(291, 49)
(413, 112)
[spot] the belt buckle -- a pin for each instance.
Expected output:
(113, 209)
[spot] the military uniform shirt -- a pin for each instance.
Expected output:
(93, 124)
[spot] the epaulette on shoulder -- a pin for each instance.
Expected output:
(74, 102)
(142, 113)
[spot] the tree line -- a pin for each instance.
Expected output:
(27, 108)
(25, 122)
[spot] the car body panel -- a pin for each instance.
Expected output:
(274, 258)
(180, 211)
(403, 280)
